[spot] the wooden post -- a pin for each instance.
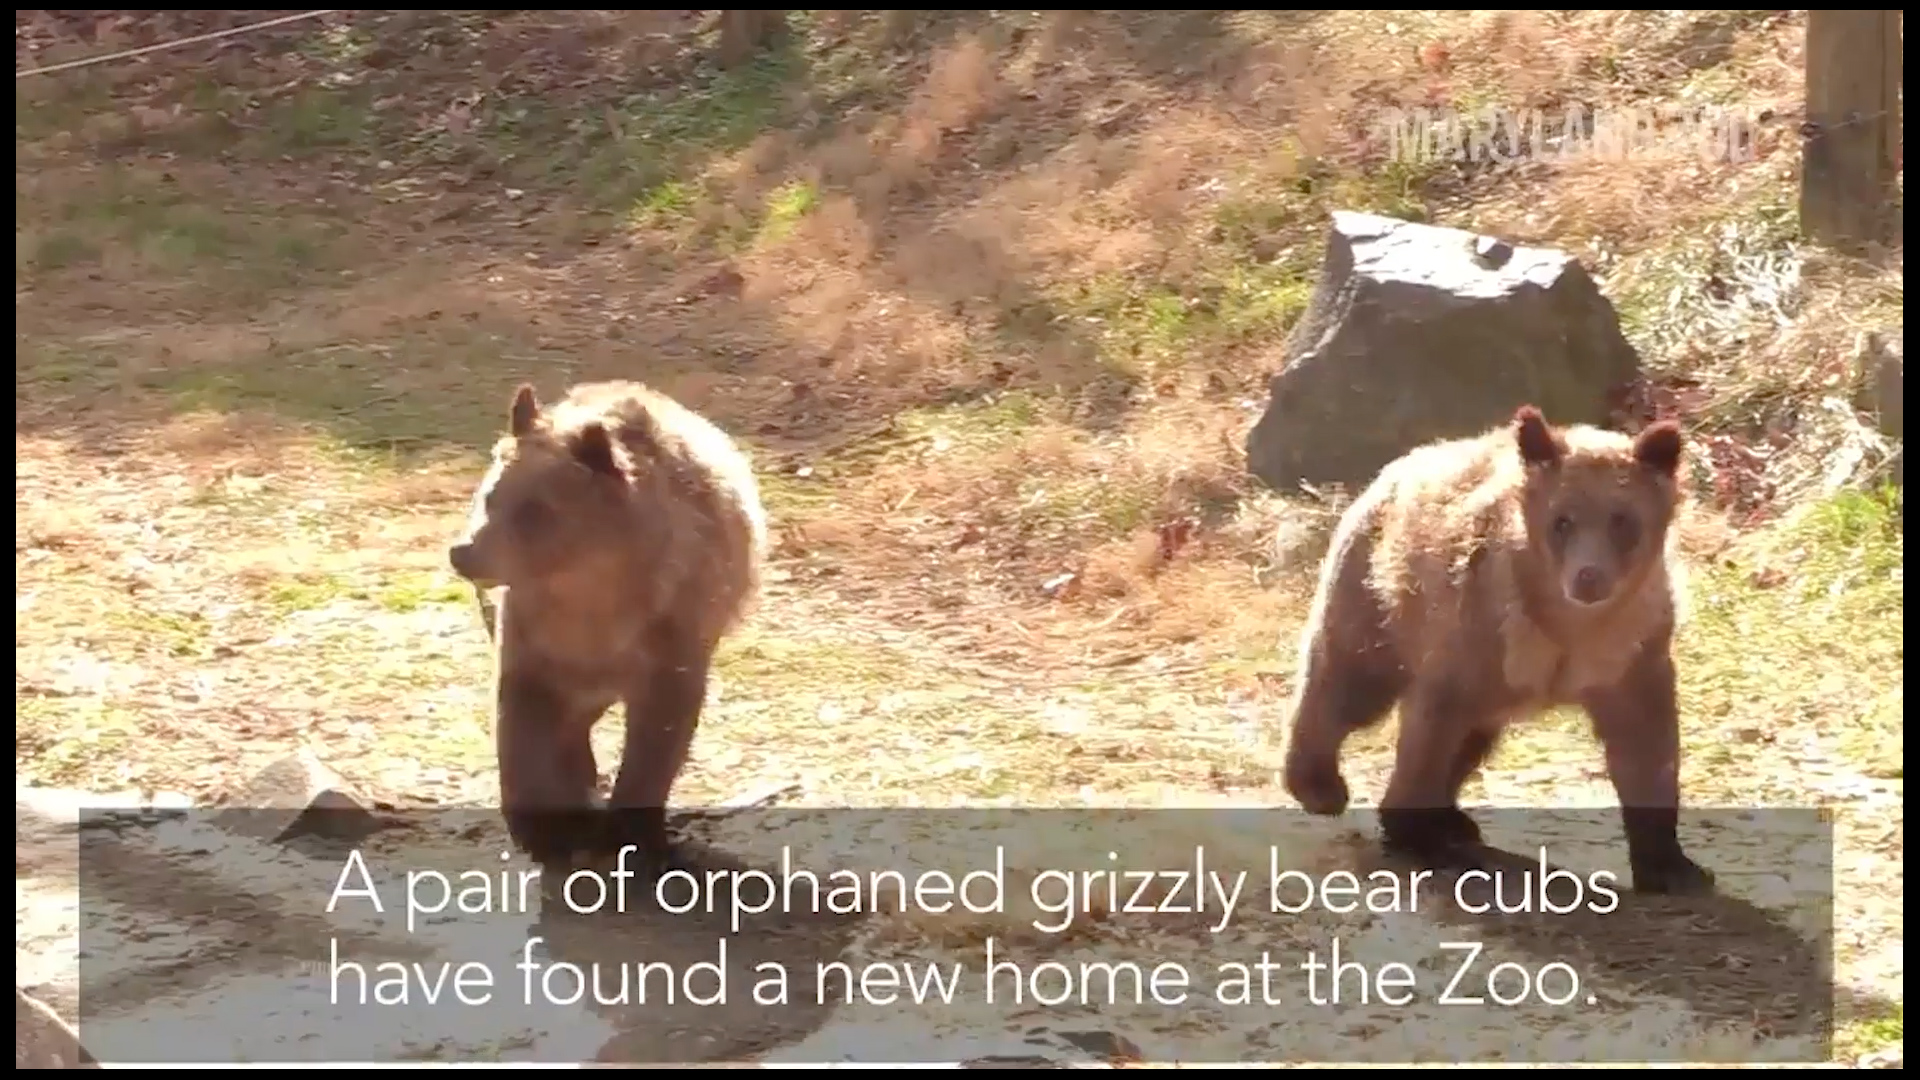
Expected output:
(743, 33)
(1851, 140)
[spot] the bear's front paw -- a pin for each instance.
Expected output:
(1318, 786)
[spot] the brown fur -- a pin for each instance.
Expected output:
(622, 535)
(1452, 588)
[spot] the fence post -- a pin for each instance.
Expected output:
(743, 33)
(1851, 140)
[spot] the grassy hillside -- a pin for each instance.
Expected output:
(992, 296)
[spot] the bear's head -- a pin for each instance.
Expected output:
(552, 507)
(1597, 504)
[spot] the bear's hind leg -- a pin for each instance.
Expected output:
(1350, 671)
(1340, 693)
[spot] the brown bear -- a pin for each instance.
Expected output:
(1477, 581)
(621, 536)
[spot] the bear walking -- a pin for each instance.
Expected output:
(1478, 581)
(621, 537)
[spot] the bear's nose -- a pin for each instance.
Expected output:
(463, 560)
(1588, 588)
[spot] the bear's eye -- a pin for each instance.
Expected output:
(532, 515)
(1625, 530)
(1563, 526)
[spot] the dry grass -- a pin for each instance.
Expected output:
(992, 295)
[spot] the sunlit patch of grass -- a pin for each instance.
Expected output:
(786, 206)
(74, 741)
(1852, 545)
(668, 202)
(1096, 506)
(404, 593)
(1804, 631)
(1141, 329)
(810, 667)
(654, 139)
(1136, 326)
(398, 592)
(937, 738)
(1395, 189)
(175, 633)
(1863, 1035)
(1248, 292)
(810, 485)
(984, 424)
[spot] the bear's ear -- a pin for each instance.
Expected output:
(593, 447)
(525, 410)
(1658, 448)
(1538, 443)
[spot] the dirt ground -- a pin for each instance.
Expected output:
(991, 297)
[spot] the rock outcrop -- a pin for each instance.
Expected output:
(1417, 332)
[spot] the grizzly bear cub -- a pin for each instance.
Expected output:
(622, 535)
(1477, 581)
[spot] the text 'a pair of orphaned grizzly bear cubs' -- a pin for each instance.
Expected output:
(1474, 582)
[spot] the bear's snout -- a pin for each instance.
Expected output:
(1588, 586)
(465, 560)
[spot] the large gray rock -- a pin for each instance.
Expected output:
(1417, 332)
(294, 795)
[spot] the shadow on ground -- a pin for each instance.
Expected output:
(191, 938)
(1737, 965)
